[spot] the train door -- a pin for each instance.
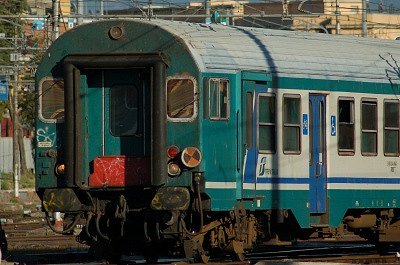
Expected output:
(254, 92)
(114, 106)
(250, 148)
(317, 125)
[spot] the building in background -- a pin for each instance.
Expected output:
(381, 21)
(327, 16)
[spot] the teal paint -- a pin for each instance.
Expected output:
(336, 85)
(221, 139)
(256, 76)
(293, 200)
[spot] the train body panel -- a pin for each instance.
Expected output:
(170, 125)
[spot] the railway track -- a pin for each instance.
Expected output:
(326, 253)
(31, 241)
(35, 234)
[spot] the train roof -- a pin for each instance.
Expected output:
(219, 48)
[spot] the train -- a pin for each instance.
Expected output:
(169, 138)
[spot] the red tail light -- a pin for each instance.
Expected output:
(173, 151)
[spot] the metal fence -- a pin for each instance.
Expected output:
(6, 154)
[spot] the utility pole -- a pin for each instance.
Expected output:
(101, 7)
(56, 17)
(80, 12)
(337, 14)
(364, 19)
(208, 12)
(16, 160)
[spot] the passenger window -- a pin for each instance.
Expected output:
(291, 124)
(219, 99)
(266, 123)
(51, 100)
(392, 128)
(181, 98)
(346, 126)
(123, 110)
(369, 127)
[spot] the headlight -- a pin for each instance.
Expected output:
(60, 169)
(173, 169)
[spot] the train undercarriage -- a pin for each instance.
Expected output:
(117, 223)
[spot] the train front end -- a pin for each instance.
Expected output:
(102, 157)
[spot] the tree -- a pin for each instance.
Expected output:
(10, 7)
(10, 28)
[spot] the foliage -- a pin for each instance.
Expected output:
(27, 107)
(27, 181)
(3, 106)
(26, 100)
(10, 7)
(6, 181)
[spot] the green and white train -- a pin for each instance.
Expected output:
(196, 139)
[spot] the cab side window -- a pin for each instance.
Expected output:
(181, 98)
(51, 100)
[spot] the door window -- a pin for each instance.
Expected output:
(123, 110)
(291, 124)
(219, 99)
(266, 123)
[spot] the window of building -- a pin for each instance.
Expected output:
(392, 128)
(219, 99)
(51, 100)
(181, 98)
(266, 123)
(346, 126)
(291, 124)
(123, 110)
(369, 127)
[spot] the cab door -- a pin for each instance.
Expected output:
(318, 179)
(115, 113)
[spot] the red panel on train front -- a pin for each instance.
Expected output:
(119, 171)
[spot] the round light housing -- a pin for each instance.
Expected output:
(172, 151)
(173, 169)
(60, 169)
(116, 32)
(191, 157)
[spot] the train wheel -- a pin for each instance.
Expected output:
(151, 252)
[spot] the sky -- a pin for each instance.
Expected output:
(94, 5)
